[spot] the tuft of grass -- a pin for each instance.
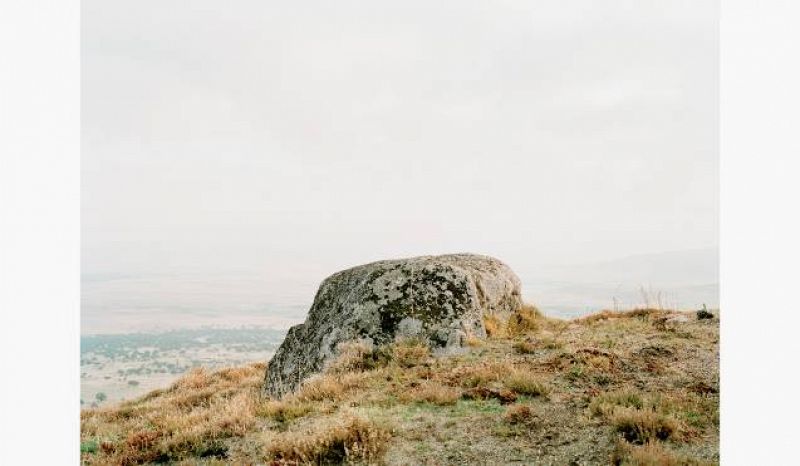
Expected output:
(604, 404)
(529, 346)
(650, 454)
(350, 439)
(433, 393)
(494, 326)
(551, 343)
(525, 320)
(410, 353)
(475, 342)
(284, 410)
(329, 386)
(642, 426)
(189, 419)
(504, 396)
(484, 374)
(353, 356)
(526, 383)
(89, 446)
(194, 379)
(517, 414)
(525, 347)
(646, 313)
(641, 417)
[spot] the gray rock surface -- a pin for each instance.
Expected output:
(439, 299)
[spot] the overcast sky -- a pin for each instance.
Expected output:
(296, 136)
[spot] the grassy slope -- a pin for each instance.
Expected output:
(628, 388)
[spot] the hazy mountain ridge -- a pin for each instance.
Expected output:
(121, 303)
(680, 279)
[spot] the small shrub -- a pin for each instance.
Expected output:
(603, 379)
(576, 372)
(703, 314)
(641, 417)
(642, 426)
(517, 414)
(107, 447)
(349, 440)
(526, 383)
(89, 446)
(599, 362)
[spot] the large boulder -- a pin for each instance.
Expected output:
(439, 299)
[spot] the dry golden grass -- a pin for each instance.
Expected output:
(352, 356)
(641, 426)
(475, 342)
(494, 326)
(331, 387)
(526, 383)
(410, 353)
(284, 410)
(346, 439)
(433, 393)
(647, 313)
(525, 347)
(651, 454)
(526, 320)
(482, 374)
(641, 417)
(669, 416)
(604, 405)
(189, 419)
(530, 345)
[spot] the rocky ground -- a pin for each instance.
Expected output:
(638, 387)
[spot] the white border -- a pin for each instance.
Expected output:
(759, 224)
(39, 236)
(39, 231)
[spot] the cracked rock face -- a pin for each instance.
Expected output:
(439, 299)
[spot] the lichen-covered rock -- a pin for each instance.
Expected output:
(439, 299)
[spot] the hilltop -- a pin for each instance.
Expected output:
(639, 387)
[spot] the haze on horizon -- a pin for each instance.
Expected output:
(288, 141)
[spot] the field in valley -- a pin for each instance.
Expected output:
(118, 367)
